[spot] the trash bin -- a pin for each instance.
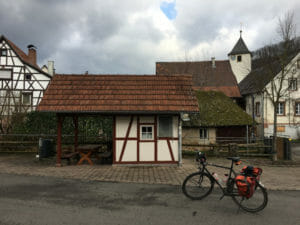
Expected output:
(46, 148)
(287, 149)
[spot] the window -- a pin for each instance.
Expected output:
(26, 98)
(298, 63)
(297, 108)
(239, 58)
(257, 108)
(146, 132)
(5, 74)
(203, 133)
(280, 108)
(27, 76)
(165, 126)
(293, 84)
(3, 52)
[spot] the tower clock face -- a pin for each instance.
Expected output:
(233, 57)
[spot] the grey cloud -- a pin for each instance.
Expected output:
(110, 44)
(200, 21)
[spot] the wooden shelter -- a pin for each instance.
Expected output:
(146, 111)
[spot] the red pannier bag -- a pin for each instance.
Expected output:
(252, 171)
(245, 185)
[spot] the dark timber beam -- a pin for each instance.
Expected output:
(60, 120)
(75, 121)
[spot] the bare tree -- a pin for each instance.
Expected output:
(275, 60)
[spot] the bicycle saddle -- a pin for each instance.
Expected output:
(234, 159)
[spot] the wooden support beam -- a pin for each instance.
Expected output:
(60, 120)
(75, 121)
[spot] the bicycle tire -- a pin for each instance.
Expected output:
(197, 186)
(257, 202)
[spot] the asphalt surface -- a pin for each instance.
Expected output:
(45, 200)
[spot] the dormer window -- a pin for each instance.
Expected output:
(239, 58)
(3, 52)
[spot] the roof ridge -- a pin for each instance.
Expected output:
(221, 60)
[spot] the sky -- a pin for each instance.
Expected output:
(129, 36)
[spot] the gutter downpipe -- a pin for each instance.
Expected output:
(253, 118)
(179, 142)
(263, 115)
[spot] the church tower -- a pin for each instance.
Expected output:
(240, 59)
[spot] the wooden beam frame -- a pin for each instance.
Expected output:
(60, 120)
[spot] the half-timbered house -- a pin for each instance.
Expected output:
(22, 82)
(146, 110)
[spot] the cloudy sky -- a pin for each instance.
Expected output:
(129, 36)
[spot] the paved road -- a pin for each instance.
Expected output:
(44, 200)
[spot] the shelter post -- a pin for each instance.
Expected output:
(58, 142)
(75, 121)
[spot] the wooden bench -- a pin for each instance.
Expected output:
(68, 155)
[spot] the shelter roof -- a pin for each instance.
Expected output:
(119, 94)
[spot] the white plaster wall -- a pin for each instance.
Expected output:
(241, 69)
(163, 152)
(291, 131)
(147, 151)
(119, 145)
(175, 126)
(146, 119)
(122, 123)
(130, 153)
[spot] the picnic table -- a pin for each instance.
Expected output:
(86, 152)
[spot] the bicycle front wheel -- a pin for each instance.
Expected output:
(197, 185)
(257, 202)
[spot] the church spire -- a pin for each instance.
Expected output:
(240, 47)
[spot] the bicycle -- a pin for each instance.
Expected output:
(198, 185)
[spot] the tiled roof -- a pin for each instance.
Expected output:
(205, 77)
(22, 55)
(239, 48)
(119, 94)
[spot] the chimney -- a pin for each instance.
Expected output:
(51, 68)
(32, 54)
(213, 62)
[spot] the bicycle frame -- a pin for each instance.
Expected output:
(231, 172)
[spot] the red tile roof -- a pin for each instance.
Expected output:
(204, 75)
(119, 94)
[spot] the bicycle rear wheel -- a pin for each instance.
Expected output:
(198, 185)
(257, 202)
